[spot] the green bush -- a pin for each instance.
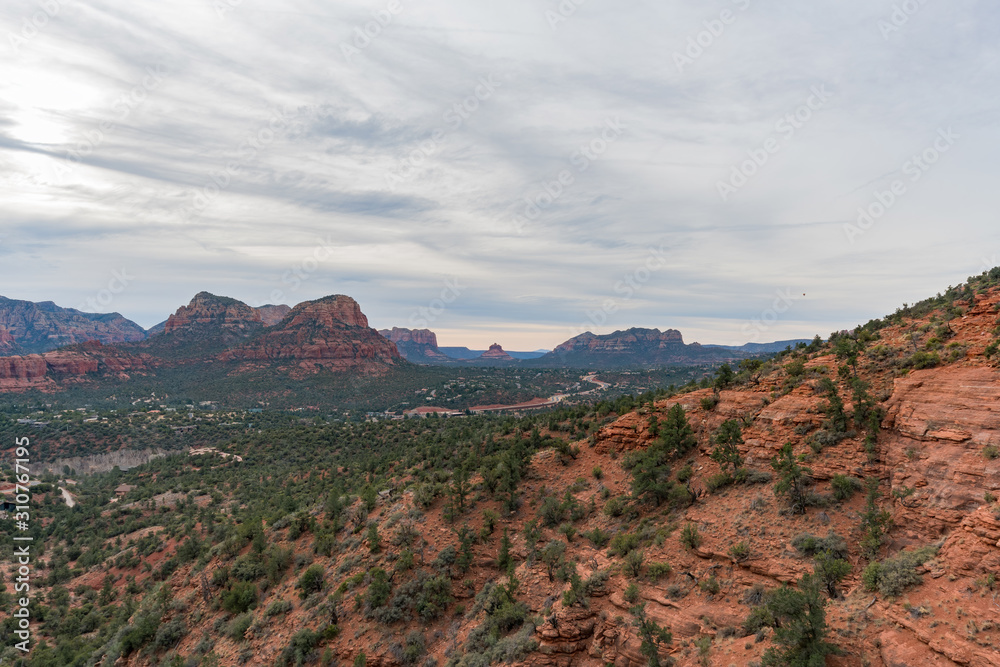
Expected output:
(631, 593)
(239, 626)
(311, 581)
(810, 545)
(656, 571)
(690, 537)
(894, 575)
(240, 598)
(844, 487)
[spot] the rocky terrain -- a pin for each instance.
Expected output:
(27, 327)
(894, 430)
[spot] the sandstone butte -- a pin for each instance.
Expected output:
(415, 344)
(935, 479)
(38, 327)
(496, 352)
(330, 333)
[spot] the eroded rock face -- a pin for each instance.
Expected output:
(417, 336)
(939, 422)
(208, 309)
(40, 371)
(416, 345)
(331, 332)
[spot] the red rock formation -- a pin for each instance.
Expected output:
(41, 371)
(331, 332)
(417, 336)
(496, 353)
(208, 309)
(7, 344)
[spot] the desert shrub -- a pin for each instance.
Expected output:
(239, 626)
(894, 575)
(708, 403)
(299, 648)
(278, 607)
(991, 452)
(710, 585)
(633, 562)
(240, 598)
(844, 487)
(631, 593)
(922, 359)
(168, 634)
(718, 481)
(311, 581)
(690, 537)
(615, 506)
(623, 543)
(810, 545)
(656, 571)
(740, 551)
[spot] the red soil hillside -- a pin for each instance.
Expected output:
(932, 459)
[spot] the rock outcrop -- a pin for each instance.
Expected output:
(496, 353)
(416, 345)
(207, 309)
(331, 333)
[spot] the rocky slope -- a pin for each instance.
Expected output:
(27, 327)
(638, 348)
(931, 460)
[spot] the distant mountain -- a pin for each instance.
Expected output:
(633, 348)
(418, 346)
(27, 327)
(217, 337)
(763, 348)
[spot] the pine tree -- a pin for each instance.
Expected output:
(727, 440)
(791, 478)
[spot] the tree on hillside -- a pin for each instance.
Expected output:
(727, 441)
(791, 478)
(676, 436)
(799, 621)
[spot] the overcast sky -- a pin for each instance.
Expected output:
(514, 171)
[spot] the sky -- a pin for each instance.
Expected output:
(515, 172)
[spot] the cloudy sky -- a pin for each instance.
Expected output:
(514, 172)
